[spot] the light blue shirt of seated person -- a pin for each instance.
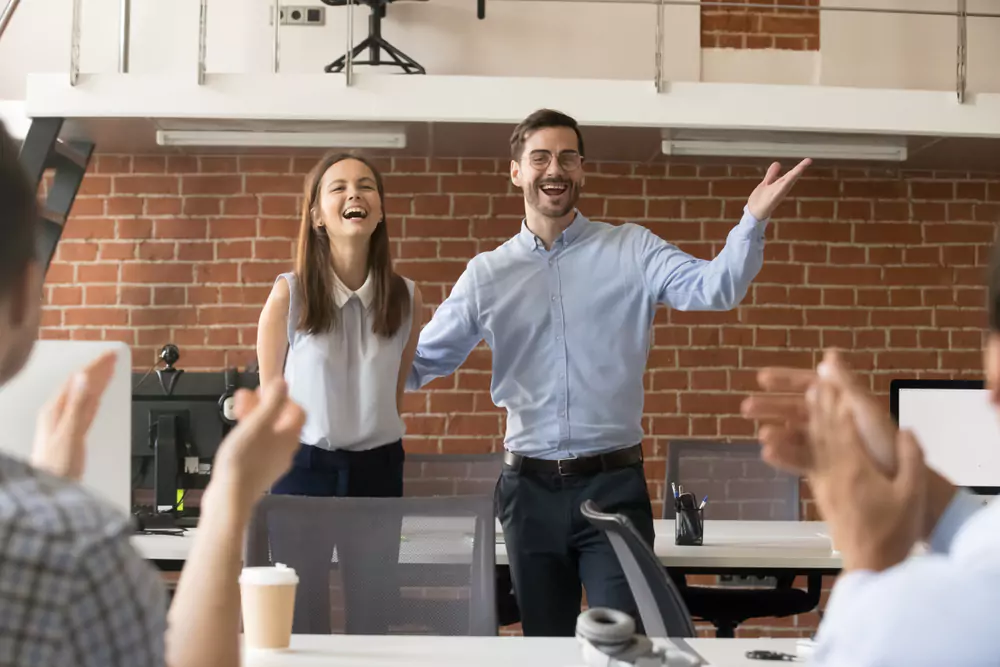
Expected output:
(941, 608)
(570, 327)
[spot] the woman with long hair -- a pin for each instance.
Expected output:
(342, 330)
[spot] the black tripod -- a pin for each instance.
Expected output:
(376, 44)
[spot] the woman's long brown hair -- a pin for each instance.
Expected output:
(314, 264)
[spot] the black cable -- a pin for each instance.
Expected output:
(143, 378)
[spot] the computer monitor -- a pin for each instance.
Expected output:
(957, 427)
(177, 426)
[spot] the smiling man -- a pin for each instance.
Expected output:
(567, 307)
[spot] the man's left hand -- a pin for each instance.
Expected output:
(772, 190)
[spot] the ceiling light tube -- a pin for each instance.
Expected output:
(763, 149)
(341, 139)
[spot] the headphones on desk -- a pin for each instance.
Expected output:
(227, 402)
(608, 639)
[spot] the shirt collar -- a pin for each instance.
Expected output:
(569, 235)
(341, 294)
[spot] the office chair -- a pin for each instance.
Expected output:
(739, 486)
(382, 565)
(661, 608)
(375, 43)
(437, 475)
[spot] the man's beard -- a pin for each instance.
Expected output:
(544, 204)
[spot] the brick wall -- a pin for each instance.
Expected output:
(760, 24)
(886, 264)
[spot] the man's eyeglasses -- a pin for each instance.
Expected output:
(568, 160)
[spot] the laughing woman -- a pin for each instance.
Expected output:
(342, 329)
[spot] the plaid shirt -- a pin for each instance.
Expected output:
(72, 589)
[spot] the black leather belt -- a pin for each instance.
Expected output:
(583, 465)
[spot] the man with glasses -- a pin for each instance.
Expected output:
(567, 308)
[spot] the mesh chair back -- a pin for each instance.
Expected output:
(739, 485)
(382, 565)
(660, 605)
(427, 475)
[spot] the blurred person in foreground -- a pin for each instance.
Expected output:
(880, 500)
(73, 590)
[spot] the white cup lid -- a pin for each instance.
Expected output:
(279, 575)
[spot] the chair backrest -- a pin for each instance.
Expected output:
(382, 565)
(427, 475)
(739, 485)
(661, 608)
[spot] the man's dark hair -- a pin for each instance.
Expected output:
(541, 119)
(993, 289)
(18, 214)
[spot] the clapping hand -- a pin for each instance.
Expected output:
(62, 425)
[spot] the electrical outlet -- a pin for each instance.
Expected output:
(747, 581)
(299, 15)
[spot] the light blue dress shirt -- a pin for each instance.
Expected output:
(570, 327)
(942, 608)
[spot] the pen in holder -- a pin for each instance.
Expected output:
(689, 521)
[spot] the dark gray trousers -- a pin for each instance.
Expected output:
(552, 549)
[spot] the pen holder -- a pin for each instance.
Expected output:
(689, 526)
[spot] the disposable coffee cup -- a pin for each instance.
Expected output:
(268, 603)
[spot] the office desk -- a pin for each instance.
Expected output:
(802, 546)
(413, 651)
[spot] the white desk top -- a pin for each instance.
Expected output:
(800, 545)
(413, 651)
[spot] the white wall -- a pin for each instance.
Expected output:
(561, 39)
(593, 40)
(907, 51)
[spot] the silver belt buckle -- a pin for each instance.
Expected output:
(559, 465)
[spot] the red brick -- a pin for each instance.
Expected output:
(838, 296)
(677, 187)
(771, 316)
(849, 254)
(917, 276)
(933, 339)
(287, 228)
(854, 210)
(959, 233)
(875, 297)
(160, 272)
(437, 228)
(135, 296)
(906, 360)
(875, 232)
(869, 339)
(922, 255)
(932, 190)
(89, 228)
(89, 316)
(272, 249)
(217, 272)
(439, 271)
(160, 206)
(262, 272)
(874, 189)
(169, 296)
(902, 317)
(473, 425)
(152, 250)
(836, 317)
(64, 296)
(702, 209)
(884, 256)
(217, 165)
(771, 337)
(928, 211)
(708, 358)
(762, 358)
(905, 297)
(836, 275)
(146, 185)
(195, 251)
(814, 231)
(77, 252)
(124, 206)
(222, 228)
(97, 273)
(261, 164)
(711, 404)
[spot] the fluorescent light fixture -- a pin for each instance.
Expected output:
(340, 139)
(772, 149)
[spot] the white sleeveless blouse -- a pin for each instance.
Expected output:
(345, 379)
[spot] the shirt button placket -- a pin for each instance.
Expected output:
(559, 327)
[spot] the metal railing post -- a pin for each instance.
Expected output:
(276, 46)
(349, 56)
(202, 36)
(124, 35)
(963, 51)
(7, 14)
(74, 45)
